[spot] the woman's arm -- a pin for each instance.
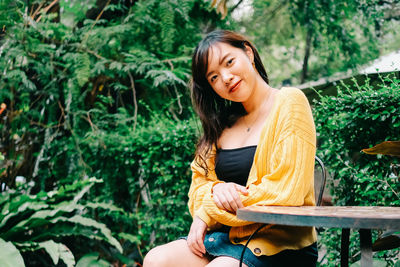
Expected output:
(201, 184)
(201, 193)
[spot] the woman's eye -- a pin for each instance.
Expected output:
(229, 62)
(213, 78)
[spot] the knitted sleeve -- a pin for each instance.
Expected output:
(201, 185)
(290, 165)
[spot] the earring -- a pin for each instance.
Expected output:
(254, 64)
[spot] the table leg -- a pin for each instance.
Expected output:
(344, 250)
(366, 247)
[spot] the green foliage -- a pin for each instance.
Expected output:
(9, 255)
(147, 171)
(92, 260)
(350, 122)
(339, 35)
(360, 116)
(57, 79)
(43, 221)
(78, 84)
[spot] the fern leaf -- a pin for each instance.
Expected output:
(82, 71)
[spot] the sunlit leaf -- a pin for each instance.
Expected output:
(9, 255)
(391, 148)
(92, 260)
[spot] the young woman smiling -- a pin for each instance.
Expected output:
(257, 147)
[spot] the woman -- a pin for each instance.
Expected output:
(258, 147)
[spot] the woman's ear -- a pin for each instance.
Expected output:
(249, 52)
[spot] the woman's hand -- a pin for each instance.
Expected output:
(196, 236)
(226, 196)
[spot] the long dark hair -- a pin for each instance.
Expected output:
(215, 112)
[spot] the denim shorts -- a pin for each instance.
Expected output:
(218, 244)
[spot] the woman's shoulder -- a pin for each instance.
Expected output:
(291, 92)
(292, 101)
(292, 95)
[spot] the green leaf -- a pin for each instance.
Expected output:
(92, 260)
(102, 227)
(9, 255)
(82, 71)
(131, 238)
(105, 206)
(58, 251)
(42, 217)
(51, 248)
(66, 255)
(84, 223)
(22, 211)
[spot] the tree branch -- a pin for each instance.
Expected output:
(306, 55)
(46, 9)
(275, 11)
(235, 6)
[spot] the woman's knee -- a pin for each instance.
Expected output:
(157, 256)
(224, 261)
(175, 254)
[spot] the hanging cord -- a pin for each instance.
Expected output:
(248, 241)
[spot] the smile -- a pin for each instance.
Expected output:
(234, 87)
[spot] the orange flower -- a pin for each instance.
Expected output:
(2, 107)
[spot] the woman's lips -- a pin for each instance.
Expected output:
(234, 87)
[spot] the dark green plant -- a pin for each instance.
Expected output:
(147, 172)
(46, 220)
(360, 116)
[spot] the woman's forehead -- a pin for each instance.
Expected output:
(217, 51)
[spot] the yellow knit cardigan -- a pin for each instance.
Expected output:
(282, 174)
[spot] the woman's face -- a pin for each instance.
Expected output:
(230, 72)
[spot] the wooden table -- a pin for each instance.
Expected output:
(345, 217)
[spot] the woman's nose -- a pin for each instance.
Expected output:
(227, 77)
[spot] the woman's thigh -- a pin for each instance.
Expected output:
(175, 253)
(224, 261)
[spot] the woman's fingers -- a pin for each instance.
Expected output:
(242, 189)
(222, 202)
(196, 235)
(226, 196)
(193, 245)
(218, 202)
(233, 199)
(200, 242)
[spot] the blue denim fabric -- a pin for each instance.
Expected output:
(218, 244)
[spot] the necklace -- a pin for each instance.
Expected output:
(258, 115)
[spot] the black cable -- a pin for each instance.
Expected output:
(248, 241)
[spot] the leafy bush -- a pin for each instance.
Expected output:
(360, 116)
(147, 172)
(51, 221)
(59, 74)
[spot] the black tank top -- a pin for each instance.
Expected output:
(233, 165)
